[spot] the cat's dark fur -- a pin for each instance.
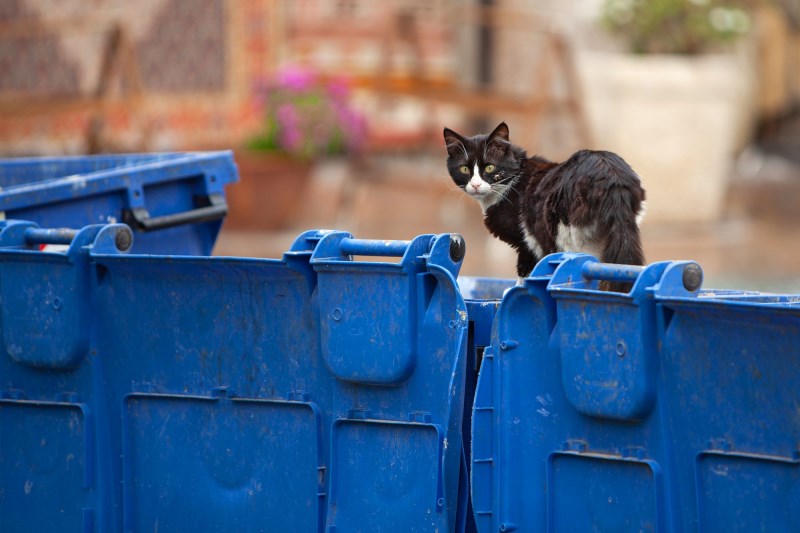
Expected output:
(589, 203)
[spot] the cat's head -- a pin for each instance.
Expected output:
(484, 166)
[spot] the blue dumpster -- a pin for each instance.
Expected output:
(482, 296)
(174, 202)
(670, 408)
(324, 391)
(318, 392)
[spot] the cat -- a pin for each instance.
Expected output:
(592, 203)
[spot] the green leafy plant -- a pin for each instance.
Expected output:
(306, 116)
(676, 26)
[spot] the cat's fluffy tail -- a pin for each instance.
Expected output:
(622, 210)
(623, 241)
(621, 207)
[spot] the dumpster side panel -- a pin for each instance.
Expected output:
(733, 374)
(220, 464)
(714, 445)
(394, 339)
(383, 471)
(46, 463)
(191, 366)
(218, 416)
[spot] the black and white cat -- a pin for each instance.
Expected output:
(592, 202)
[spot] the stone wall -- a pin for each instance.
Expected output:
(182, 79)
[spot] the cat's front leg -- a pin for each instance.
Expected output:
(526, 260)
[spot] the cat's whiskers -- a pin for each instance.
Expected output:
(459, 191)
(503, 189)
(508, 178)
(505, 197)
(455, 186)
(456, 190)
(511, 185)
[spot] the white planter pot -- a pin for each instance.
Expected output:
(677, 121)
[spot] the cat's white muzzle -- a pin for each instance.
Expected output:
(478, 189)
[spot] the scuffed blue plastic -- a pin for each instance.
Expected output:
(217, 394)
(77, 191)
(663, 409)
(323, 392)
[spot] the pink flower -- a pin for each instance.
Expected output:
(291, 139)
(295, 78)
(287, 114)
(306, 117)
(338, 89)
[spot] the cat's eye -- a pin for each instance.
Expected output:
(464, 169)
(489, 168)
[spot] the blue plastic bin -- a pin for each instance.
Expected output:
(666, 409)
(174, 202)
(312, 393)
(324, 392)
(482, 296)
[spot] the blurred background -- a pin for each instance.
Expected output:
(335, 109)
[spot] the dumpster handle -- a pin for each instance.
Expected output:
(50, 236)
(374, 247)
(692, 277)
(611, 272)
(123, 238)
(140, 219)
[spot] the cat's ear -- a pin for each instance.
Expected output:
(498, 142)
(500, 132)
(453, 142)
